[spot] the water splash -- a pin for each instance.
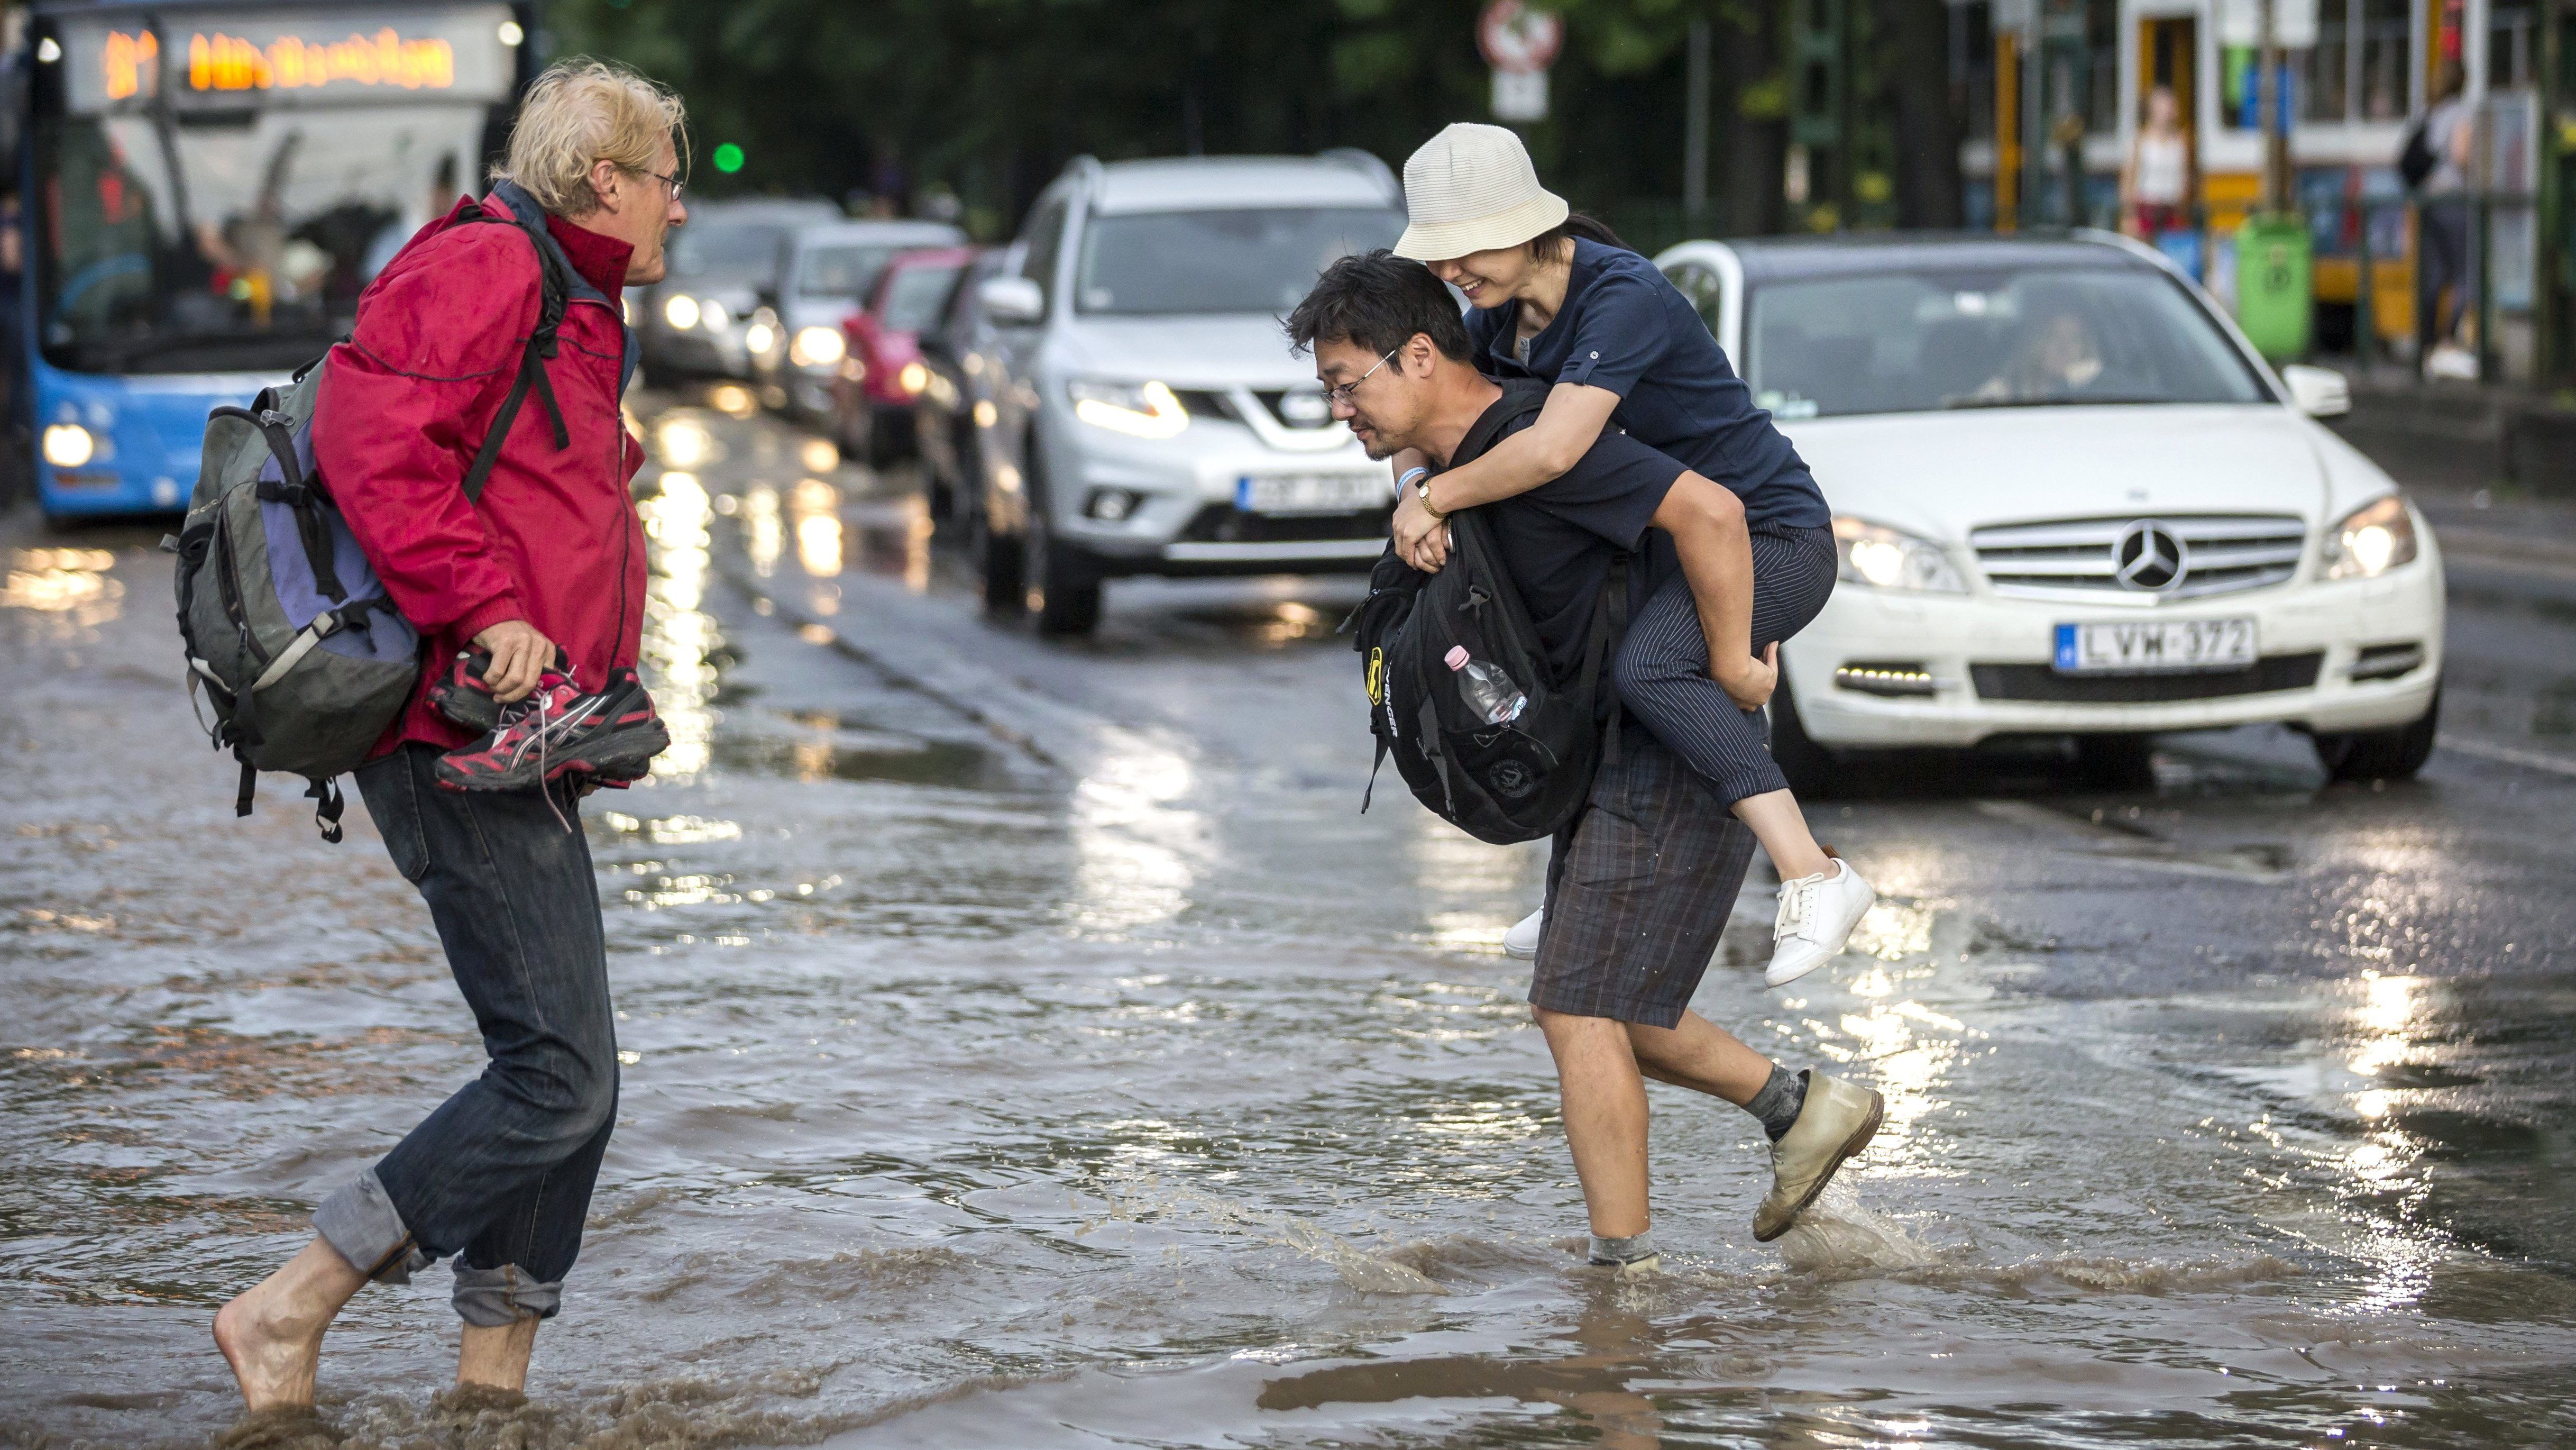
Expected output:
(1838, 1238)
(1369, 1273)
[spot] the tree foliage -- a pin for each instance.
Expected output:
(988, 98)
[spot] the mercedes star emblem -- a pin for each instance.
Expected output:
(2149, 557)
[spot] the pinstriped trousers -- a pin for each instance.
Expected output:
(1662, 667)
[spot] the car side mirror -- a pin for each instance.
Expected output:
(1012, 301)
(2318, 392)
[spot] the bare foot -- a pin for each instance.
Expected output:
(497, 1359)
(272, 1335)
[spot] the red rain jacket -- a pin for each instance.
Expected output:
(406, 402)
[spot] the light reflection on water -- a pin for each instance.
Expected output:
(67, 593)
(678, 634)
(1467, 888)
(1136, 849)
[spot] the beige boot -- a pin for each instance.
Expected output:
(1837, 1121)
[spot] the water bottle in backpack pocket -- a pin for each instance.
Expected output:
(1487, 690)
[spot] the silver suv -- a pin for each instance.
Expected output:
(1167, 429)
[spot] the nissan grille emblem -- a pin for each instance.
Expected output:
(2149, 557)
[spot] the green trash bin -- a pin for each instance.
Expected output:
(2275, 291)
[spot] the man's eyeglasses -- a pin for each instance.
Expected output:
(1341, 397)
(674, 183)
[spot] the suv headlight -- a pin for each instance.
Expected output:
(2371, 540)
(1877, 555)
(817, 347)
(1139, 410)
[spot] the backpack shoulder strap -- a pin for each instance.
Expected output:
(1518, 402)
(554, 294)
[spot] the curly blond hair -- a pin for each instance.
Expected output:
(583, 111)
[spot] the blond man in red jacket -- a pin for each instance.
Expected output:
(549, 558)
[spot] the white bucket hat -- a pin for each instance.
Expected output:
(1472, 189)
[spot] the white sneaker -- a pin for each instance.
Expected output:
(1817, 914)
(1522, 940)
(2450, 360)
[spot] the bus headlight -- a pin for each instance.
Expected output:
(2371, 540)
(1877, 555)
(817, 347)
(1140, 410)
(69, 445)
(681, 311)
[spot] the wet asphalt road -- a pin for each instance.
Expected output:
(1027, 1044)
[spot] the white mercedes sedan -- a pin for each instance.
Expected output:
(2071, 500)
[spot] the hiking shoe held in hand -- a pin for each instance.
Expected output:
(1817, 914)
(1522, 940)
(612, 734)
(1837, 1121)
(461, 694)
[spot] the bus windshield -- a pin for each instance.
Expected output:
(213, 196)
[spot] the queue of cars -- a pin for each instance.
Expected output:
(2070, 498)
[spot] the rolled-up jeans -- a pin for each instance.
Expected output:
(501, 1174)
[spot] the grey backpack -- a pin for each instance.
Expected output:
(290, 635)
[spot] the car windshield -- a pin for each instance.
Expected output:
(740, 249)
(1220, 261)
(844, 270)
(916, 296)
(226, 226)
(1916, 341)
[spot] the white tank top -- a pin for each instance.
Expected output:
(2162, 170)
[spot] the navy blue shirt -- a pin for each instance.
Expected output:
(1627, 328)
(1559, 539)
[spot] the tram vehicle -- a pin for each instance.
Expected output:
(2056, 90)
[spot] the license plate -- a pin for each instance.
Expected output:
(1311, 493)
(2144, 646)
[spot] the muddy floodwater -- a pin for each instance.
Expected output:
(1031, 1045)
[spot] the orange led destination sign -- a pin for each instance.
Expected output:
(219, 62)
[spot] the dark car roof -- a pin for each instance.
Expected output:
(1772, 259)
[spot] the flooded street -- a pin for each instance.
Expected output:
(1030, 1045)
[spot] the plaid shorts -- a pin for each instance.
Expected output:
(1639, 890)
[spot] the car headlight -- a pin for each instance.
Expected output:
(817, 347)
(911, 379)
(759, 338)
(1140, 410)
(2371, 540)
(1888, 559)
(69, 445)
(715, 315)
(681, 311)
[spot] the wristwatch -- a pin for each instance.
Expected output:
(1422, 491)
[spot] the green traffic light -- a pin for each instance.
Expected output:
(728, 158)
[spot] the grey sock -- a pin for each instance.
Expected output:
(1778, 1103)
(1623, 1251)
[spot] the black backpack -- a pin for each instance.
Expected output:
(1516, 781)
(2416, 160)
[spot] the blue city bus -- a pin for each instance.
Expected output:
(205, 188)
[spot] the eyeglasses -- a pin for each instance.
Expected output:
(1341, 397)
(674, 183)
